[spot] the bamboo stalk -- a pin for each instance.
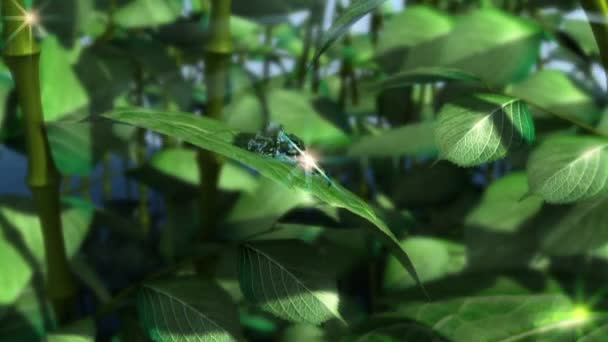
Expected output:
(596, 9)
(217, 64)
(21, 54)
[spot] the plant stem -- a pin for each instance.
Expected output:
(217, 64)
(595, 9)
(21, 54)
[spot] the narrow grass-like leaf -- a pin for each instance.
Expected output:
(424, 75)
(215, 136)
(566, 169)
(482, 128)
(295, 290)
(354, 12)
(187, 309)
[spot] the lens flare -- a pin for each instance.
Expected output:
(307, 161)
(31, 18)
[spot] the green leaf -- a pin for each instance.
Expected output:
(61, 90)
(187, 308)
(424, 75)
(565, 169)
(414, 26)
(435, 259)
(554, 92)
(482, 128)
(287, 280)
(501, 208)
(217, 137)
(355, 11)
(293, 109)
(497, 47)
(21, 244)
(581, 230)
(501, 317)
(581, 31)
(29, 318)
(409, 140)
(147, 13)
(80, 331)
(179, 164)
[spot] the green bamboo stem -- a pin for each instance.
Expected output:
(143, 210)
(217, 64)
(21, 54)
(593, 9)
(302, 63)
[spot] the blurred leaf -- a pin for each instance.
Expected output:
(555, 92)
(271, 11)
(292, 109)
(435, 258)
(257, 211)
(303, 333)
(494, 318)
(187, 308)
(355, 11)
(424, 75)
(482, 128)
(147, 13)
(581, 31)
(565, 169)
(287, 280)
(415, 25)
(493, 45)
(28, 319)
(217, 137)
(502, 208)
(410, 140)
(80, 331)
(21, 243)
(582, 229)
(179, 164)
(61, 91)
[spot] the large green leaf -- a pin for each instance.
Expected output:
(80, 331)
(355, 11)
(217, 137)
(29, 318)
(410, 140)
(435, 259)
(188, 308)
(565, 169)
(21, 244)
(493, 45)
(501, 317)
(287, 279)
(581, 230)
(482, 128)
(61, 91)
(416, 25)
(501, 208)
(555, 92)
(147, 13)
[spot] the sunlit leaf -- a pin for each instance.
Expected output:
(500, 317)
(217, 137)
(61, 90)
(355, 11)
(147, 13)
(189, 308)
(434, 258)
(287, 279)
(21, 244)
(482, 128)
(555, 92)
(565, 169)
(80, 331)
(424, 75)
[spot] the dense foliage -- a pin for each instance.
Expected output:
(460, 194)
